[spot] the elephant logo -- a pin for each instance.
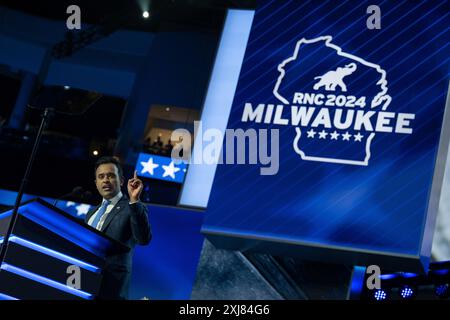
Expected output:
(334, 78)
(329, 128)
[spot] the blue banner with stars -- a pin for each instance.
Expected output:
(161, 168)
(78, 210)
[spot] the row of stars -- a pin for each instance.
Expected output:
(169, 170)
(82, 209)
(334, 135)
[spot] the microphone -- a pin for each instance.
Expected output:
(77, 191)
(86, 196)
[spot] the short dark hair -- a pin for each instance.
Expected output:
(105, 160)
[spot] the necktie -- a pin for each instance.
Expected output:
(100, 213)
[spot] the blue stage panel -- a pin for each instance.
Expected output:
(166, 268)
(362, 133)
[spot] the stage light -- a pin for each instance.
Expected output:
(52, 253)
(6, 297)
(145, 14)
(407, 292)
(441, 290)
(442, 272)
(380, 295)
(409, 275)
(388, 276)
(48, 282)
(95, 153)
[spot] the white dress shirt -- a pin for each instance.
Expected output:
(110, 206)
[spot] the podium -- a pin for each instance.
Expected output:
(46, 250)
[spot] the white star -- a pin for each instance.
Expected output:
(170, 170)
(323, 134)
(82, 209)
(311, 133)
(358, 137)
(70, 203)
(334, 135)
(149, 166)
(346, 136)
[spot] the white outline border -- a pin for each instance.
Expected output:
(380, 98)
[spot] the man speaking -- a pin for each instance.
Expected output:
(121, 218)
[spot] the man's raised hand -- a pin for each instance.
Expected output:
(135, 187)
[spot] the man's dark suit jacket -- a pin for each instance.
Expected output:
(127, 223)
